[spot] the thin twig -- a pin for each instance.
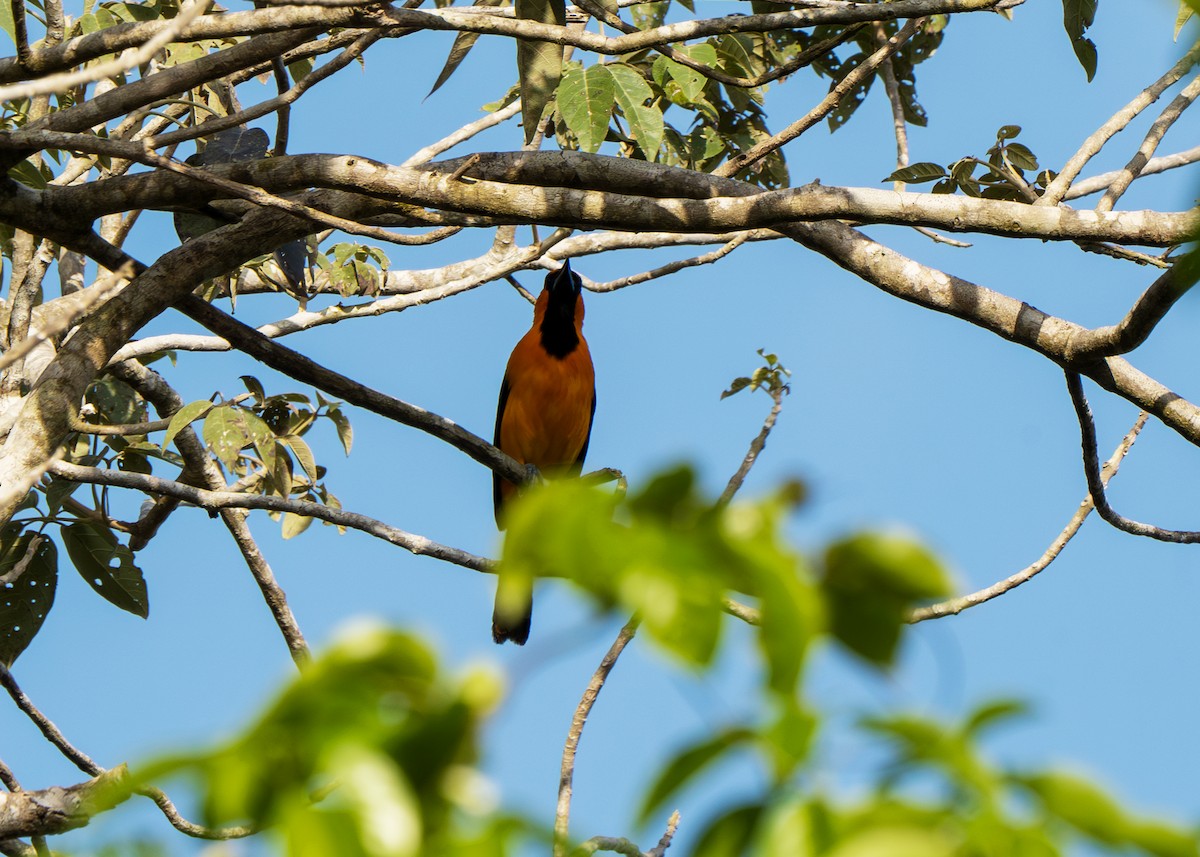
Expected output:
(1091, 468)
(1149, 145)
(665, 841)
(562, 815)
(1143, 316)
(670, 267)
(955, 606)
(218, 500)
(1097, 183)
(466, 132)
(1057, 189)
(83, 426)
(212, 126)
(9, 778)
(101, 291)
(85, 763)
(756, 447)
(899, 124)
(124, 61)
(826, 106)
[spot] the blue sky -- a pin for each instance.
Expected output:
(898, 418)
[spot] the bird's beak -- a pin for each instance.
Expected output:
(563, 280)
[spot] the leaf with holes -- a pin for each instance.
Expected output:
(228, 430)
(29, 571)
(585, 100)
(107, 566)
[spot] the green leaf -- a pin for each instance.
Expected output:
(895, 841)
(7, 24)
(1078, 15)
(918, 173)
(689, 83)
(729, 834)
(303, 455)
(463, 42)
(229, 429)
(1007, 132)
(632, 93)
(1080, 804)
(685, 765)
(345, 431)
(57, 493)
(107, 566)
(1161, 839)
(1185, 14)
(300, 69)
(25, 599)
(987, 717)
(294, 525)
(539, 64)
(1021, 157)
(255, 388)
(871, 581)
(585, 102)
(185, 416)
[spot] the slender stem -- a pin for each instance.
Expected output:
(957, 605)
(562, 815)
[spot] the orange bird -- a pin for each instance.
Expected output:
(547, 402)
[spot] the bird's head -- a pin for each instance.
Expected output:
(560, 311)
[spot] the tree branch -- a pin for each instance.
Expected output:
(846, 85)
(955, 606)
(55, 810)
(219, 500)
(1141, 319)
(1091, 468)
(1149, 145)
(562, 815)
(1057, 189)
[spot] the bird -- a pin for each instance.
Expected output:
(544, 419)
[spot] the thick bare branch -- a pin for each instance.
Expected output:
(1142, 318)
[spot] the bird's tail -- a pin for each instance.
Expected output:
(514, 610)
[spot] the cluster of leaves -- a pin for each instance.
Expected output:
(769, 377)
(354, 269)
(1004, 172)
(627, 101)
(916, 50)
(257, 437)
(260, 440)
(29, 558)
(371, 751)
